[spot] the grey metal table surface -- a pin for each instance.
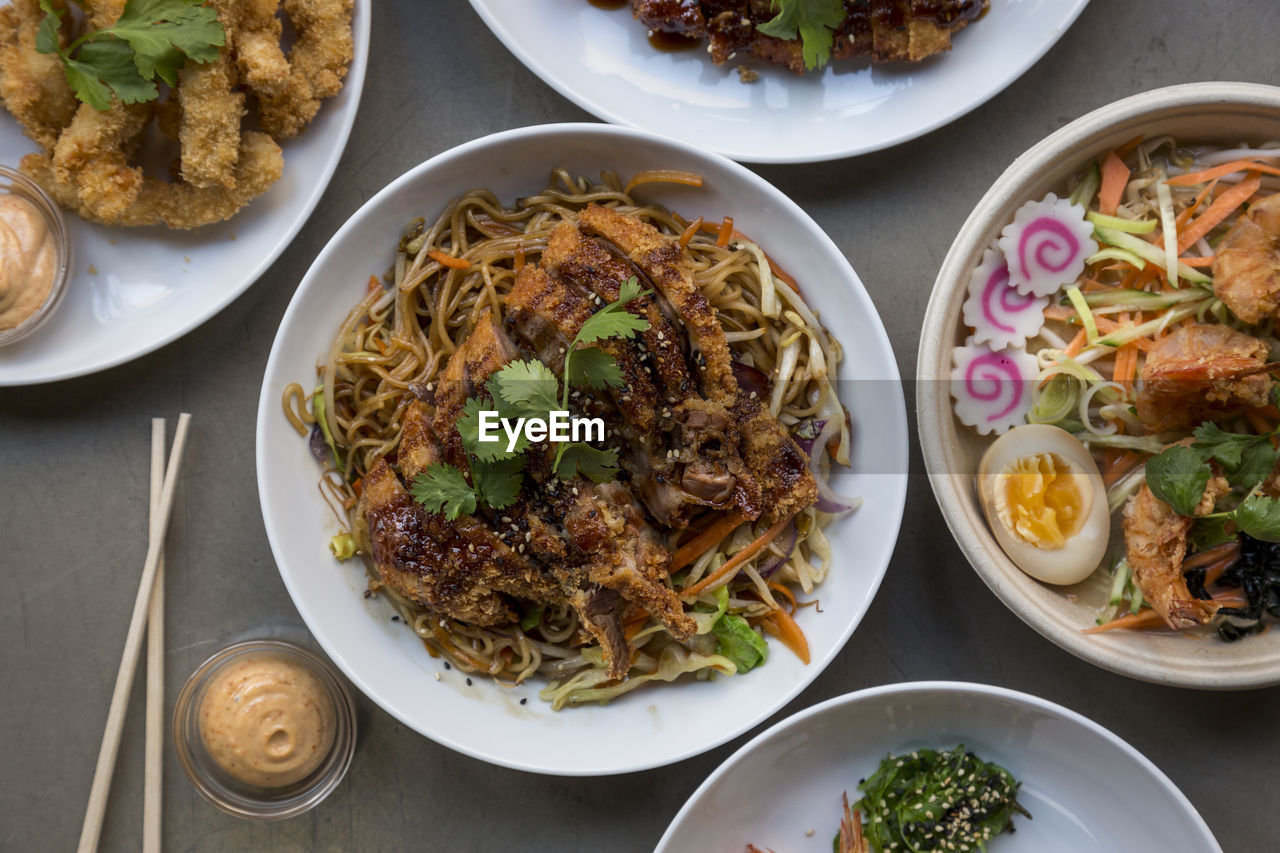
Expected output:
(73, 489)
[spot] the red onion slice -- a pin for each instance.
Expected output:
(779, 561)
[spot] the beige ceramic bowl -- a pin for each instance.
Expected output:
(1225, 112)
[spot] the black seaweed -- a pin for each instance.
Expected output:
(1257, 574)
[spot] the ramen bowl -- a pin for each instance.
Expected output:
(1222, 112)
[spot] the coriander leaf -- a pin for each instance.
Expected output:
(47, 40)
(737, 641)
(498, 483)
(469, 430)
(814, 21)
(593, 368)
(85, 83)
(165, 66)
(443, 489)
(1178, 477)
(112, 63)
(1221, 445)
(1255, 464)
(599, 466)
(152, 27)
(613, 320)
(1259, 516)
(529, 388)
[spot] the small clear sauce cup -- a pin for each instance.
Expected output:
(13, 182)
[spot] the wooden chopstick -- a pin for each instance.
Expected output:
(96, 809)
(153, 786)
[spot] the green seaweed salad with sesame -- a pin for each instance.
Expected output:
(937, 800)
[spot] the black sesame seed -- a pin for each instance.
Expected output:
(468, 682)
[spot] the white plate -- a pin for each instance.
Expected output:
(134, 290)
(602, 61)
(1086, 788)
(385, 659)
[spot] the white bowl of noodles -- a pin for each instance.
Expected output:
(1229, 114)
(511, 725)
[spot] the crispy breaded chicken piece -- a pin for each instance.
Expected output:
(92, 156)
(32, 84)
(456, 568)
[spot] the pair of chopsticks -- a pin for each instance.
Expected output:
(148, 610)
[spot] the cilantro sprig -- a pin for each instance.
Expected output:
(529, 389)
(1179, 474)
(813, 21)
(151, 39)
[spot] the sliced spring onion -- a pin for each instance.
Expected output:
(1088, 188)
(1131, 226)
(1086, 316)
(1125, 334)
(1169, 229)
(1135, 596)
(1111, 253)
(1126, 488)
(1055, 400)
(1152, 444)
(1148, 253)
(1141, 300)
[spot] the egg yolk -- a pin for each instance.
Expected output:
(1039, 499)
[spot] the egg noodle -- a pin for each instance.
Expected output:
(400, 334)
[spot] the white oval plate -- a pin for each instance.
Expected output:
(650, 727)
(133, 290)
(601, 60)
(1086, 788)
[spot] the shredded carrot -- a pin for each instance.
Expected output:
(688, 233)
(1219, 171)
(1222, 207)
(1141, 619)
(1077, 343)
(780, 624)
(1115, 176)
(520, 256)
(1197, 263)
(783, 591)
(1213, 555)
(663, 176)
(1120, 466)
(1213, 572)
(1130, 373)
(1129, 147)
(449, 260)
(373, 285)
(735, 562)
(690, 551)
(726, 231)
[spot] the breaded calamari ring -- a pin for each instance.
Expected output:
(262, 64)
(93, 153)
(209, 125)
(318, 63)
(211, 109)
(32, 85)
(177, 205)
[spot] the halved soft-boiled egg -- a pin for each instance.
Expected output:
(1045, 502)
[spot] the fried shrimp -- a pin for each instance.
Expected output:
(1202, 373)
(1155, 539)
(32, 85)
(1246, 265)
(317, 65)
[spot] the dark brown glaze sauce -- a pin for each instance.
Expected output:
(671, 42)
